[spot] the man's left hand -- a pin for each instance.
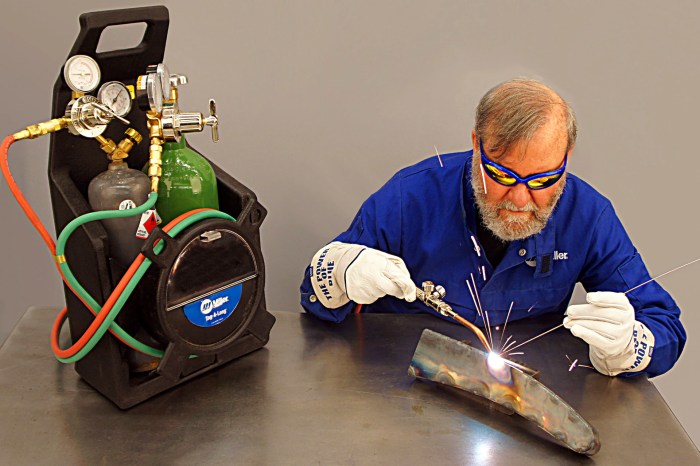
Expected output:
(618, 343)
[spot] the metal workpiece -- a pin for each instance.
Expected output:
(447, 361)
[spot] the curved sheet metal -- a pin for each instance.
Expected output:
(441, 359)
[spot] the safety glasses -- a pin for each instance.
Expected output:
(506, 177)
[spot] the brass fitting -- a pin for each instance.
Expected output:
(34, 131)
(107, 145)
(155, 151)
(117, 153)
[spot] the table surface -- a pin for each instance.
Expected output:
(323, 393)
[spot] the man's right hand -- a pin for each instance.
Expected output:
(342, 272)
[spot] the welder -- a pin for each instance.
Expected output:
(510, 219)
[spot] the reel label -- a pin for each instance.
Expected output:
(215, 308)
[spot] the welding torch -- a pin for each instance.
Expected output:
(432, 296)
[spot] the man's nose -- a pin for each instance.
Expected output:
(519, 195)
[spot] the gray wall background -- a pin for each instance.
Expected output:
(322, 101)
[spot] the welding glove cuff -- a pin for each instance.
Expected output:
(618, 342)
(344, 272)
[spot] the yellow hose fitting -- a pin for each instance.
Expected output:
(121, 151)
(107, 145)
(60, 259)
(134, 135)
(155, 151)
(34, 131)
(154, 163)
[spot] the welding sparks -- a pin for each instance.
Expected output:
(506, 322)
(481, 310)
(628, 291)
(488, 326)
(508, 345)
(665, 273)
(476, 246)
(438, 156)
(483, 177)
(478, 311)
(506, 342)
(476, 293)
(575, 364)
(538, 336)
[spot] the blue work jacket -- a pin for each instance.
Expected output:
(426, 214)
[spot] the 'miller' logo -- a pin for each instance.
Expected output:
(560, 256)
(208, 305)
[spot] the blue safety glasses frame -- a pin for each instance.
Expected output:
(506, 177)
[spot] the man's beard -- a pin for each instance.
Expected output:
(514, 227)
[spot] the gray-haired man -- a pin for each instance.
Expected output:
(508, 214)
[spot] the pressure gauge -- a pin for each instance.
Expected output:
(116, 96)
(153, 88)
(164, 76)
(82, 74)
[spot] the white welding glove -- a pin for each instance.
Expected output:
(343, 272)
(618, 343)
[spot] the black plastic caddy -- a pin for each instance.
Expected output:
(155, 308)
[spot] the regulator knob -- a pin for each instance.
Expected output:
(213, 121)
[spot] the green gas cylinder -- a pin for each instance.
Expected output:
(188, 182)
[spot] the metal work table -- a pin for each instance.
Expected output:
(321, 393)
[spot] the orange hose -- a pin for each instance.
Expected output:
(99, 318)
(107, 307)
(34, 219)
(9, 140)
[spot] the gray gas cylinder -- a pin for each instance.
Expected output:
(119, 188)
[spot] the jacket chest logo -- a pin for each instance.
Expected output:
(547, 260)
(560, 256)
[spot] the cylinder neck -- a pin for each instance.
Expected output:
(171, 145)
(117, 165)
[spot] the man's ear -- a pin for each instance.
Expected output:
(475, 143)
